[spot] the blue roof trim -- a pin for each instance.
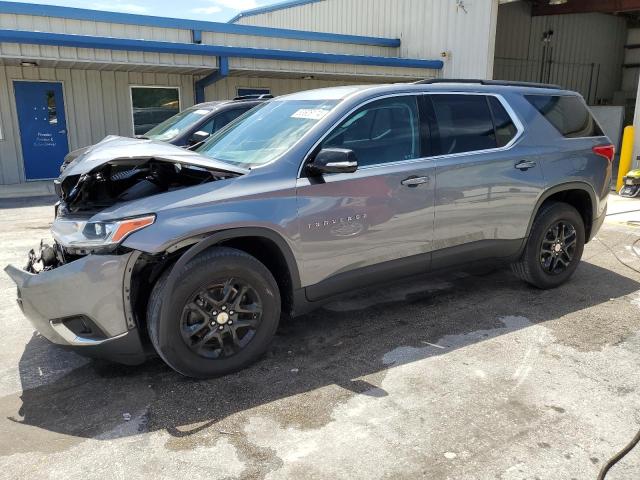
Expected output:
(272, 8)
(152, 21)
(87, 41)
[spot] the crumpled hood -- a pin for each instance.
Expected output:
(124, 148)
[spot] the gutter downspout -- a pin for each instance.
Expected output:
(221, 73)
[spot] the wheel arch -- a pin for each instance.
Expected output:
(266, 245)
(580, 195)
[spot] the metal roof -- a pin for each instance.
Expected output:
(271, 8)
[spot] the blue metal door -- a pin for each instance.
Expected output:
(43, 128)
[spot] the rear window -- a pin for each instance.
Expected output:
(568, 114)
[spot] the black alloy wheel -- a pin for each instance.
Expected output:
(554, 247)
(558, 247)
(217, 314)
(221, 319)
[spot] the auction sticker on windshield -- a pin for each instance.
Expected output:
(310, 113)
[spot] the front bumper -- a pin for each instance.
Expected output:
(87, 291)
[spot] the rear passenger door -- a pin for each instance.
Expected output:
(486, 185)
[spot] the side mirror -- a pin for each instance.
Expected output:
(198, 137)
(333, 160)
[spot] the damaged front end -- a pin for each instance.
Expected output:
(116, 172)
(81, 290)
(124, 180)
(47, 258)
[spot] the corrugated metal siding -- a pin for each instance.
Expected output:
(426, 28)
(83, 27)
(383, 74)
(97, 104)
(630, 76)
(228, 87)
(578, 41)
(80, 27)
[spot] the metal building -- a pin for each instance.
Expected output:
(69, 77)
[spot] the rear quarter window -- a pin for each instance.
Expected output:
(568, 114)
(505, 128)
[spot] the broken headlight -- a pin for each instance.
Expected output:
(86, 235)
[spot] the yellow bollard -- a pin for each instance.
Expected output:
(626, 152)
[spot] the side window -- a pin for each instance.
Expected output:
(220, 120)
(464, 123)
(568, 114)
(224, 118)
(505, 128)
(382, 131)
(208, 127)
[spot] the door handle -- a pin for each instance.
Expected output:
(414, 181)
(62, 132)
(525, 164)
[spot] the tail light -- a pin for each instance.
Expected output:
(606, 151)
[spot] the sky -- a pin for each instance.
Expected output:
(212, 10)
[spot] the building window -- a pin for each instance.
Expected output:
(152, 106)
(52, 115)
(253, 91)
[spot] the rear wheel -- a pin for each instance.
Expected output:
(554, 247)
(223, 311)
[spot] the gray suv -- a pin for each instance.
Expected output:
(196, 255)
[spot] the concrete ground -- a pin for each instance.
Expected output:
(463, 376)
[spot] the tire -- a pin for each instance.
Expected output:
(536, 264)
(200, 289)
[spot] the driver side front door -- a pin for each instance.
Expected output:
(377, 222)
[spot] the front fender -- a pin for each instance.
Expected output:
(201, 243)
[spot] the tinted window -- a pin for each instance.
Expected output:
(386, 130)
(227, 117)
(505, 128)
(222, 119)
(464, 123)
(568, 114)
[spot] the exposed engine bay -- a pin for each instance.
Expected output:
(127, 180)
(47, 258)
(111, 173)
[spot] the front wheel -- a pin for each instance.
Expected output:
(554, 247)
(224, 309)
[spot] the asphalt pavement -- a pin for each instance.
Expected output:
(465, 375)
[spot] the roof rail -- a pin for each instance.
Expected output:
(254, 96)
(505, 83)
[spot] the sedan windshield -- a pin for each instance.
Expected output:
(266, 132)
(176, 125)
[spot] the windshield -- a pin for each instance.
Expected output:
(266, 132)
(176, 125)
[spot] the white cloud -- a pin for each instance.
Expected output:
(121, 7)
(207, 10)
